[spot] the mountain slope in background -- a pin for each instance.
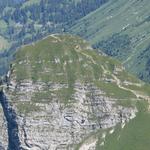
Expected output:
(121, 28)
(31, 19)
(61, 95)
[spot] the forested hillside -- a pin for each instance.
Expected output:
(31, 20)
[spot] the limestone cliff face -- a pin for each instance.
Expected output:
(62, 93)
(3, 133)
(56, 125)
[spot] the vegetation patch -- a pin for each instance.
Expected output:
(133, 136)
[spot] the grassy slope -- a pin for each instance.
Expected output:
(75, 62)
(3, 43)
(66, 59)
(134, 136)
(124, 17)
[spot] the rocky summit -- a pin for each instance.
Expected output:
(61, 95)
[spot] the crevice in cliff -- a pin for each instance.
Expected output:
(11, 118)
(25, 134)
(27, 144)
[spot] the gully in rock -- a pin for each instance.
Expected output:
(13, 138)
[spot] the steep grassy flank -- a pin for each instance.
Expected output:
(121, 28)
(134, 136)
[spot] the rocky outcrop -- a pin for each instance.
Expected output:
(56, 125)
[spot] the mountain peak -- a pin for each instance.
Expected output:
(63, 92)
